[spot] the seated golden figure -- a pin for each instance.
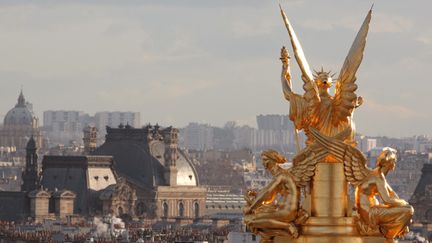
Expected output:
(267, 216)
(389, 218)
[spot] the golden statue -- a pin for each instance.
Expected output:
(267, 216)
(317, 108)
(392, 216)
(309, 202)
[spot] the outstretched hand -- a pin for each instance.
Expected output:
(284, 56)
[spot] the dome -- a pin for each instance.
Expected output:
(144, 163)
(20, 114)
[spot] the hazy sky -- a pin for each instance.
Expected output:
(211, 61)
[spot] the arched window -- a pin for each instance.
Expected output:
(196, 210)
(165, 210)
(120, 211)
(181, 209)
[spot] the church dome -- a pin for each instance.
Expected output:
(20, 114)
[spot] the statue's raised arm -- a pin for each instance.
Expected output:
(286, 74)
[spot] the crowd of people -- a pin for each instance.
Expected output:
(178, 235)
(133, 233)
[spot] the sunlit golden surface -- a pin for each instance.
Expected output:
(309, 202)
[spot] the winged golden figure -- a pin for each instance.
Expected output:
(317, 108)
(392, 215)
(268, 216)
(264, 213)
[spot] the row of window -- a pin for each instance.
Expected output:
(180, 209)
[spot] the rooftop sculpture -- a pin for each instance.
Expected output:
(309, 202)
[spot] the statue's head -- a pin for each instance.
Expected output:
(387, 159)
(323, 79)
(271, 158)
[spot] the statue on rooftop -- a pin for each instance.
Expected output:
(309, 201)
(317, 108)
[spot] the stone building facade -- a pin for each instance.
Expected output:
(136, 173)
(118, 199)
(33, 200)
(166, 182)
(89, 177)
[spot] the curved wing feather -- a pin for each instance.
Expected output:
(355, 168)
(304, 165)
(345, 99)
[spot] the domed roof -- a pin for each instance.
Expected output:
(142, 162)
(20, 114)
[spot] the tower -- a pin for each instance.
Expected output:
(170, 136)
(90, 139)
(30, 174)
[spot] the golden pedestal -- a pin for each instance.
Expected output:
(329, 197)
(331, 239)
(330, 220)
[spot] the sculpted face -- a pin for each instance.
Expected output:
(323, 79)
(324, 82)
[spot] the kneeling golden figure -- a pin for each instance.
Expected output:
(389, 218)
(267, 216)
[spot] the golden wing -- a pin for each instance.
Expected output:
(304, 165)
(345, 99)
(354, 161)
(311, 90)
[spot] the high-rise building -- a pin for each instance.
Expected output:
(116, 118)
(273, 122)
(274, 131)
(63, 126)
(366, 144)
(197, 136)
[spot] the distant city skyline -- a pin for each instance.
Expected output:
(95, 120)
(211, 62)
